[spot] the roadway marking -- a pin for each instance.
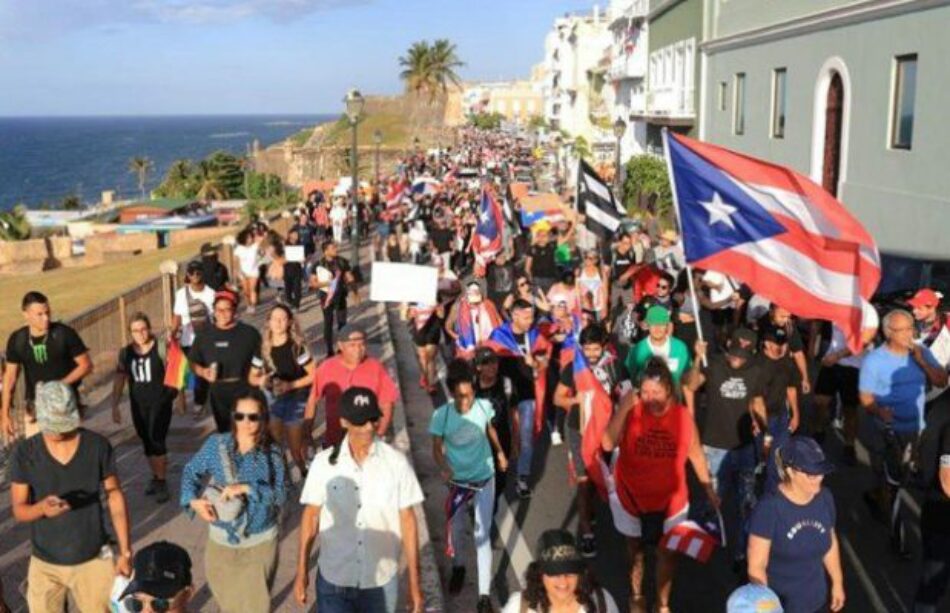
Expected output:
(865, 578)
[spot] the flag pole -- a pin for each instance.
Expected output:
(679, 220)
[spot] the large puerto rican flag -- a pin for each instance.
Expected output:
(596, 407)
(489, 231)
(777, 231)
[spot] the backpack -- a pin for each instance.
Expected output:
(197, 311)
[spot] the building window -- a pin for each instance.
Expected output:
(778, 103)
(905, 92)
(738, 118)
(723, 92)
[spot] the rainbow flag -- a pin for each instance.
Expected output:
(178, 373)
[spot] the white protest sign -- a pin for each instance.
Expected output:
(391, 282)
(294, 253)
(941, 350)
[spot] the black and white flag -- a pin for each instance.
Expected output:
(596, 202)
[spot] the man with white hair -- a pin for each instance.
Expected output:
(892, 388)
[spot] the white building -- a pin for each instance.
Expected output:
(628, 70)
(574, 79)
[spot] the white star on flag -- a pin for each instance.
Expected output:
(719, 211)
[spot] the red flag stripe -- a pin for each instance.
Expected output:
(776, 287)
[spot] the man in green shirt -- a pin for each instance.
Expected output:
(661, 343)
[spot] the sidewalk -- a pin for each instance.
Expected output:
(151, 522)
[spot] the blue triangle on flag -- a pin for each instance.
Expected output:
(715, 213)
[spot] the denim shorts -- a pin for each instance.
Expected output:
(288, 409)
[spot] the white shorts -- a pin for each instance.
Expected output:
(628, 524)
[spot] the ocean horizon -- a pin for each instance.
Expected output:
(45, 159)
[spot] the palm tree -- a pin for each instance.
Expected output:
(416, 68)
(443, 63)
(209, 182)
(141, 166)
(179, 171)
(429, 69)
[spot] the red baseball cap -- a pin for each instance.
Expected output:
(226, 294)
(924, 298)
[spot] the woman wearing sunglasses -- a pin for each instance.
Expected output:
(592, 286)
(242, 500)
(524, 290)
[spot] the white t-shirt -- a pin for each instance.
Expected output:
(206, 296)
(721, 287)
(338, 215)
(249, 260)
(514, 604)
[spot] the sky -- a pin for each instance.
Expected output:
(161, 57)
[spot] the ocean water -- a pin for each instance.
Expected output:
(42, 160)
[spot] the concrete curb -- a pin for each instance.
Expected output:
(428, 567)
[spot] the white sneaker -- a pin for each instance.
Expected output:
(556, 440)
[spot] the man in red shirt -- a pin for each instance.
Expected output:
(351, 367)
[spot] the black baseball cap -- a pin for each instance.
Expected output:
(161, 570)
(485, 355)
(359, 405)
(743, 335)
(775, 334)
(558, 554)
(804, 454)
(193, 266)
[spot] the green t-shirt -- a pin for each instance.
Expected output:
(467, 447)
(562, 254)
(674, 352)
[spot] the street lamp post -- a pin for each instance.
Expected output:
(354, 109)
(620, 126)
(558, 142)
(378, 140)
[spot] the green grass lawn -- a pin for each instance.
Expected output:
(393, 126)
(73, 290)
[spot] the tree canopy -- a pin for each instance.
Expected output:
(429, 69)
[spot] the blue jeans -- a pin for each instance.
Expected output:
(733, 470)
(526, 415)
(336, 599)
(484, 503)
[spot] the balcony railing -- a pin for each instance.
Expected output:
(628, 66)
(628, 9)
(668, 102)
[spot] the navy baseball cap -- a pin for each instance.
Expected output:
(161, 570)
(804, 454)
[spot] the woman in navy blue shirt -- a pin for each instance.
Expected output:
(792, 542)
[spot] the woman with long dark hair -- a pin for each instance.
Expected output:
(142, 364)
(236, 483)
(559, 580)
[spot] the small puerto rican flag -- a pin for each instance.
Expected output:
(691, 540)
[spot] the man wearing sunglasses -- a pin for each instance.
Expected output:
(192, 313)
(161, 581)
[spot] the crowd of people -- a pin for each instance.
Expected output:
(705, 421)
